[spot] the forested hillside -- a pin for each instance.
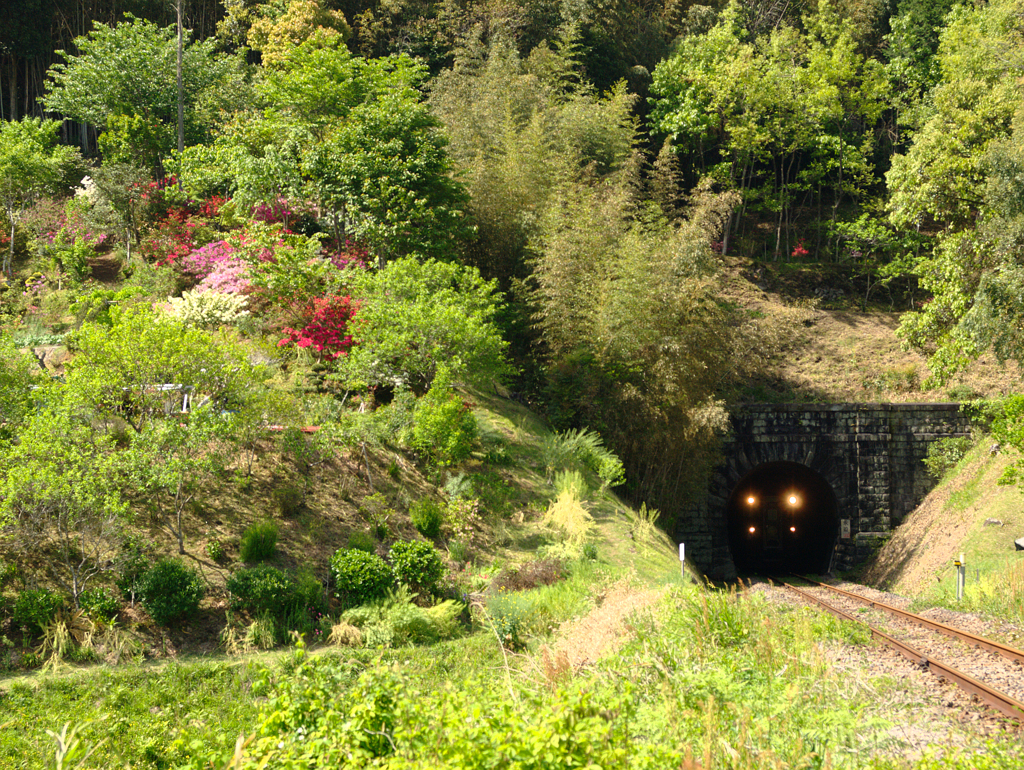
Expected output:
(288, 288)
(302, 210)
(589, 159)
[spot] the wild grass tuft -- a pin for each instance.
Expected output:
(582, 449)
(567, 516)
(644, 525)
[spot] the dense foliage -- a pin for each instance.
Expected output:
(379, 213)
(171, 591)
(359, 576)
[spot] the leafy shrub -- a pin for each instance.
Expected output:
(570, 519)
(572, 482)
(373, 504)
(427, 517)
(309, 593)
(944, 454)
(416, 564)
(962, 393)
(35, 608)
(359, 576)
(362, 541)
(171, 591)
(7, 571)
(444, 428)
(325, 329)
(205, 260)
(262, 589)
(459, 485)
(215, 550)
(590, 551)
(507, 616)
(395, 620)
(208, 309)
(583, 448)
(258, 542)
(461, 517)
(289, 499)
(494, 492)
(99, 604)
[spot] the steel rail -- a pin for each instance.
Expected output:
(999, 701)
(978, 641)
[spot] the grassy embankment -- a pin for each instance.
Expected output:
(692, 677)
(971, 513)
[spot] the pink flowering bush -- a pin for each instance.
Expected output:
(326, 327)
(351, 254)
(202, 262)
(231, 276)
(272, 213)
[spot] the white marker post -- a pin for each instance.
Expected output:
(682, 561)
(961, 577)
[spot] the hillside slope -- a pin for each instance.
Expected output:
(969, 513)
(817, 344)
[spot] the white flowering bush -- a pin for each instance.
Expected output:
(208, 309)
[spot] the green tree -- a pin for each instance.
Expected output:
(637, 342)
(519, 128)
(60, 489)
(958, 177)
(136, 373)
(787, 117)
(415, 316)
(32, 164)
(123, 80)
(18, 374)
(280, 29)
(117, 192)
(351, 141)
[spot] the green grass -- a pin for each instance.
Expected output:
(995, 570)
(150, 715)
(140, 710)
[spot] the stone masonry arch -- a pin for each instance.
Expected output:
(870, 454)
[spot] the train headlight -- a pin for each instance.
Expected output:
(794, 500)
(792, 529)
(751, 500)
(752, 530)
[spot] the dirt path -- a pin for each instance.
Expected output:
(583, 641)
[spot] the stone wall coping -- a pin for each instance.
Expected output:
(905, 437)
(938, 406)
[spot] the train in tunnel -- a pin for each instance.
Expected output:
(782, 517)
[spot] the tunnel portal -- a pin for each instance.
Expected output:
(782, 517)
(857, 464)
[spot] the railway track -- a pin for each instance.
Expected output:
(989, 670)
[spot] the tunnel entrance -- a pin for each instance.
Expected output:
(782, 516)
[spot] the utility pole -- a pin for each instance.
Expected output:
(179, 8)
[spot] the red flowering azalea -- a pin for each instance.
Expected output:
(326, 329)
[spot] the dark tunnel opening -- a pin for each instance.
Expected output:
(782, 517)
